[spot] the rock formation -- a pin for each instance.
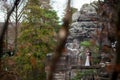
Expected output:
(84, 22)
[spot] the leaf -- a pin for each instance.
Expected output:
(33, 61)
(86, 43)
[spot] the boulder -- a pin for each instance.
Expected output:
(75, 16)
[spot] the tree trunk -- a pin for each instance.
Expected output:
(16, 27)
(61, 41)
(5, 26)
(117, 60)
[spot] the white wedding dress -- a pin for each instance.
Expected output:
(87, 62)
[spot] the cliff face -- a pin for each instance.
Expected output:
(84, 23)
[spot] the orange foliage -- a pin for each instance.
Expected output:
(106, 48)
(93, 41)
(111, 67)
(33, 61)
(117, 67)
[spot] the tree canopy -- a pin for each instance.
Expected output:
(36, 39)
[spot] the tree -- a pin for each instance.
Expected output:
(14, 20)
(109, 11)
(35, 40)
(116, 7)
(62, 36)
(3, 32)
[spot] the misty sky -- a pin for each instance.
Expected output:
(59, 6)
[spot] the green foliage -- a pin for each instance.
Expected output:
(94, 49)
(84, 73)
(74, 10)
(86, 43)
(35, 41)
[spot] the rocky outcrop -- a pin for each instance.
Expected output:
(83, 26)
(84, 22)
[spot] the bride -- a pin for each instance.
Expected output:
(88, 62)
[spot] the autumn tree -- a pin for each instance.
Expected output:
(36, 39)
(109, 11)
(4, 28)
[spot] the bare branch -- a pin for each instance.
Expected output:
(62, 41)
(5, 26)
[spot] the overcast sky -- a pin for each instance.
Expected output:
(59, 6)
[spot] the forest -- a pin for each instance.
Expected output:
(36, 45)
